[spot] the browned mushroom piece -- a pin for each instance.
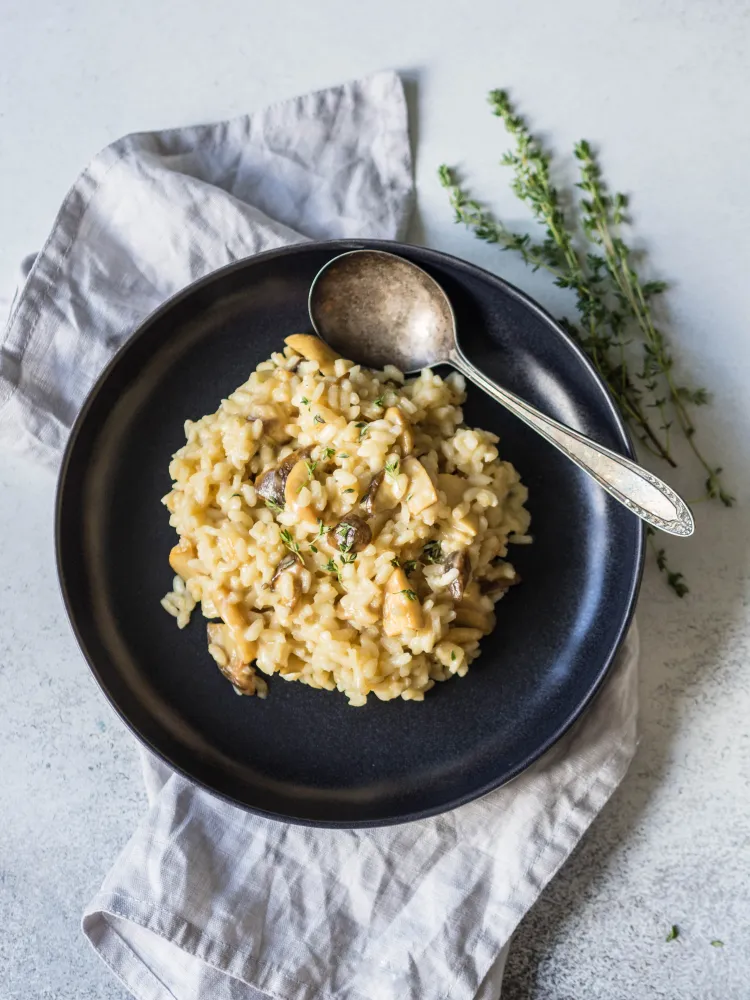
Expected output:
(422, 493)
(460, 561)
(297, 478)
(406, 437)
(271, 484)
(290, 559)
(235, 620)
(236, 668)
(352, 533)
(312, 348)
(401, 606)
(289, 587)
(368, 499)
(180, 558)
(287, 581)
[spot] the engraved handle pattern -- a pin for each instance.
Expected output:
(640, 491)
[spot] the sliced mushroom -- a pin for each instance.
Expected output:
(421, 492)
(287, 576)
(268, 486)
(467, 525)
(352, 533)
(235, 667)
(406, 437)
(271, 484)
(401, 607)
(180, 556)
(288, 584)
(453, 487)
(290, 559)
(296, 480)
(312, 348)
(460, 561)
(237, 623)
(368, 499)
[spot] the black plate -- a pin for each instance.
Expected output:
(305, 755)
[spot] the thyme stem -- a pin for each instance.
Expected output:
(583, 250)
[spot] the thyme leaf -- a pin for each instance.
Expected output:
(581, 244)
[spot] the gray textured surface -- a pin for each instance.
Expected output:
(673, 844)
(70, 788)
(669, 106)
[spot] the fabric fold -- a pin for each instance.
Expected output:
(424, 910)
(157, 210)
(207, 902)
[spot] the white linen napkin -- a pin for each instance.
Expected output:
(207, 902)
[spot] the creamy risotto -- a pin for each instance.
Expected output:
(342, 527)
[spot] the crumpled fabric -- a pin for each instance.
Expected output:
(157, 210)
(207, 902)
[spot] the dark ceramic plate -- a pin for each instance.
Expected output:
(305, 755)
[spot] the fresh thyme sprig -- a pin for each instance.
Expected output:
(290, 542)
(432, 552)
(584, 251)
(331, 567)
(408, 567)
(599, 328)
(675, 580)
(346, 559)
(602, 215)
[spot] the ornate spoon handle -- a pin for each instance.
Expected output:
(635, 487)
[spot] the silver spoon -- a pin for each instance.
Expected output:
(396, 314)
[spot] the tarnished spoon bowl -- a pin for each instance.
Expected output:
(379, 309)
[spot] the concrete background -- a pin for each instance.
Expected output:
(662, 86)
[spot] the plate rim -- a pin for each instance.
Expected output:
(343, 245)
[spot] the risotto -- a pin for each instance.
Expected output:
(342, 527)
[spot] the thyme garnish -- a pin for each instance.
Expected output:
(583, 248)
